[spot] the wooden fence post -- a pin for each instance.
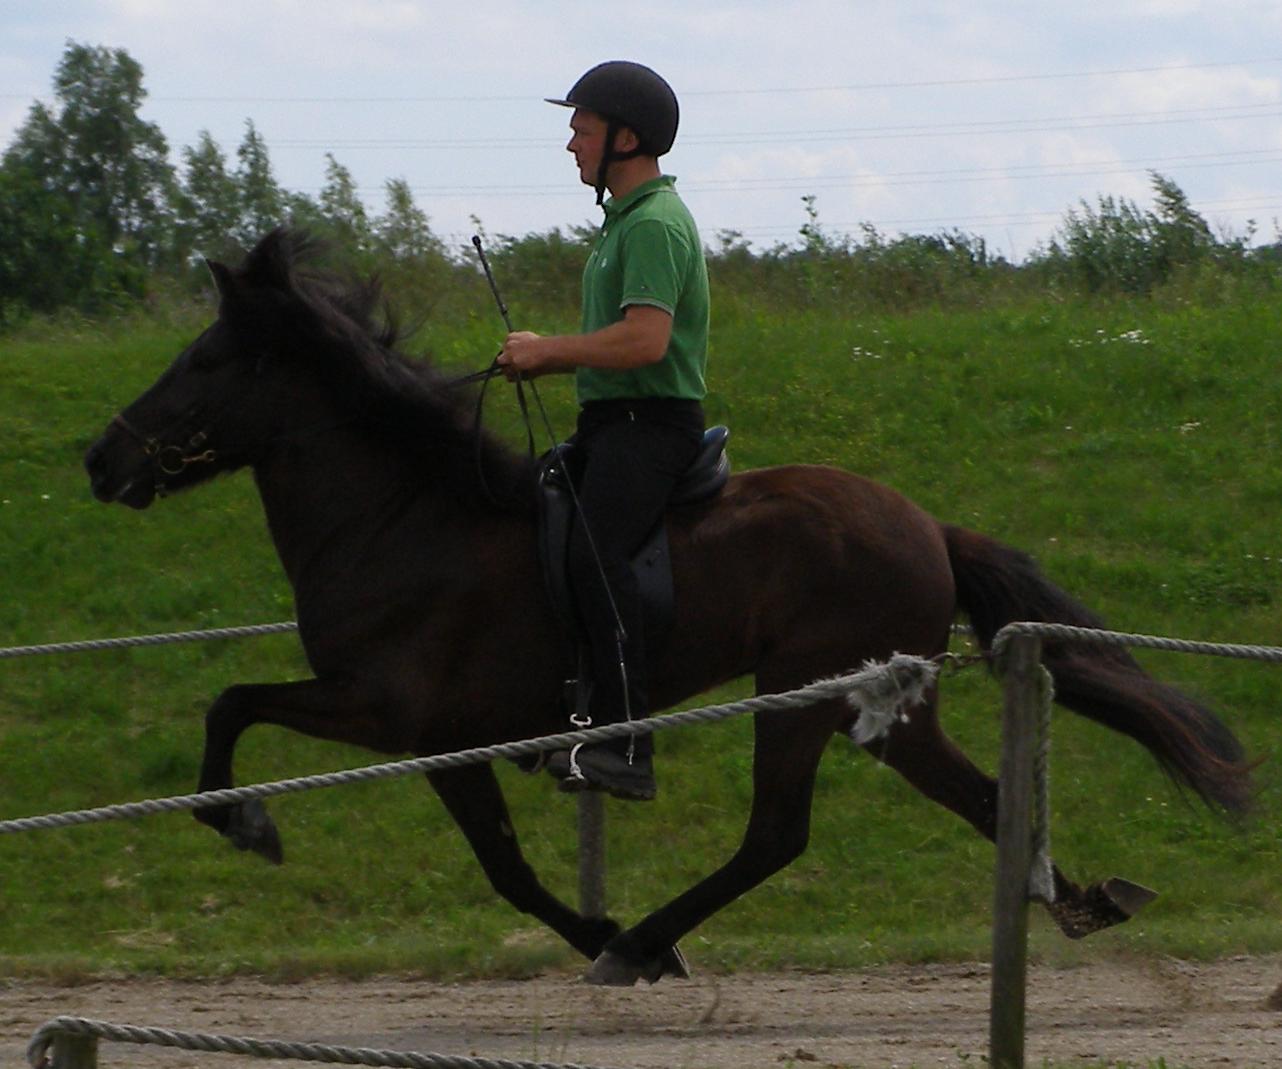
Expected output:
(592, 853)
(1021, 668)
(74, 1052)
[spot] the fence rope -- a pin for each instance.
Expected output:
(870, 691)
(149, 640)
(1099, 636)
(40, 1057)
(1041, 874)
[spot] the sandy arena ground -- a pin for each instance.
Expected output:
(1193, 1015)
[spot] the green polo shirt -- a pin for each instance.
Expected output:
(648, 252)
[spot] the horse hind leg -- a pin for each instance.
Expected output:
(920, 751)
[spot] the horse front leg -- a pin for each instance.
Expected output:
(333, 710)
(474, 799)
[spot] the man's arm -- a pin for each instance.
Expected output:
(639, 338)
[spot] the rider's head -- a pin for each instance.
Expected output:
(626, 98)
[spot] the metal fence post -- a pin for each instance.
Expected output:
(1020, 669)
(592, 853)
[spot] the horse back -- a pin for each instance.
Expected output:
(811, 559)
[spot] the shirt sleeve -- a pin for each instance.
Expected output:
(656, 262)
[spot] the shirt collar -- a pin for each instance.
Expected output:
(616, 206)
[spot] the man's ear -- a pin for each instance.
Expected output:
(626, 140)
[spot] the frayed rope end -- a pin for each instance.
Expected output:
(882, 692)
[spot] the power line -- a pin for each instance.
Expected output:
(990, 79)
(891, 179)
(1271, 203)
(969, 128)
(1107, 72)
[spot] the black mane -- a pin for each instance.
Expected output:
(349, 332)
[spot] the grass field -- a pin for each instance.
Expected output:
(1131, 447)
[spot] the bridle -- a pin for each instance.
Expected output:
(168, 459)
(171, 459)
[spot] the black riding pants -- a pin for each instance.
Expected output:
(630, 454)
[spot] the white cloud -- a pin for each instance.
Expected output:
(214, 63)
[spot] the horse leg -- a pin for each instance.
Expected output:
(474, 799)
(927, 758)
(323, 709)
(786, 757)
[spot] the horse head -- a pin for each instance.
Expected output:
(225, 398)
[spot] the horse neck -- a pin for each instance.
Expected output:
(346, 494)
(329, 497)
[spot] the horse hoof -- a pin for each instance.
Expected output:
(613, 970)
(250, 828)
(1100, 906)
(610, 970)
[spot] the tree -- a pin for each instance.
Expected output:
(342, 209)
(95, 150)
(403, 230)
(209, 202)
(1119, 246)
(262, 203)
(45, 259)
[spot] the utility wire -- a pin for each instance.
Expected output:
(1000, 79)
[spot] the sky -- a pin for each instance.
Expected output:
(992, 117)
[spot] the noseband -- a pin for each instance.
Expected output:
(169, 459)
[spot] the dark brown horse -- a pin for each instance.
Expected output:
(424, 617)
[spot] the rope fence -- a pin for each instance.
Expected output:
(1102, 637)
(877, 691)
(1023, 863)
(247, 631)
(49, 1048)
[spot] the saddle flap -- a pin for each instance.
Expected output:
(705, 478)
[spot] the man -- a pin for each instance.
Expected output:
(639, 367)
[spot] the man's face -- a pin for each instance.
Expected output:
(587, 142)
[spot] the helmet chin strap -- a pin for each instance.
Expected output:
(611, 154)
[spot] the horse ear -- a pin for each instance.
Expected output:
(269, 262)
(221, 274)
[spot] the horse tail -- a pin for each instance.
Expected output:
(997, 585)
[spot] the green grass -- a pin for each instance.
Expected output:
(1131, 448)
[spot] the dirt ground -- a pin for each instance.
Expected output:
(1192, 1015)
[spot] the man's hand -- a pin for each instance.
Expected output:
(641, 337)
(523, 353)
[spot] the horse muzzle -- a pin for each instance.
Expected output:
(136, 476)
(120, 474)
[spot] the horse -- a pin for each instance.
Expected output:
(427, 626)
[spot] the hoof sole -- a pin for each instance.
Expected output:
(1102, 905)
(1129, 897)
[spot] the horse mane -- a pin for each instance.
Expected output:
(353, 337)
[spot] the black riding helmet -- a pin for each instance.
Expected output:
(626, 94)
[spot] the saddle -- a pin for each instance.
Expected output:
(651, 564)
